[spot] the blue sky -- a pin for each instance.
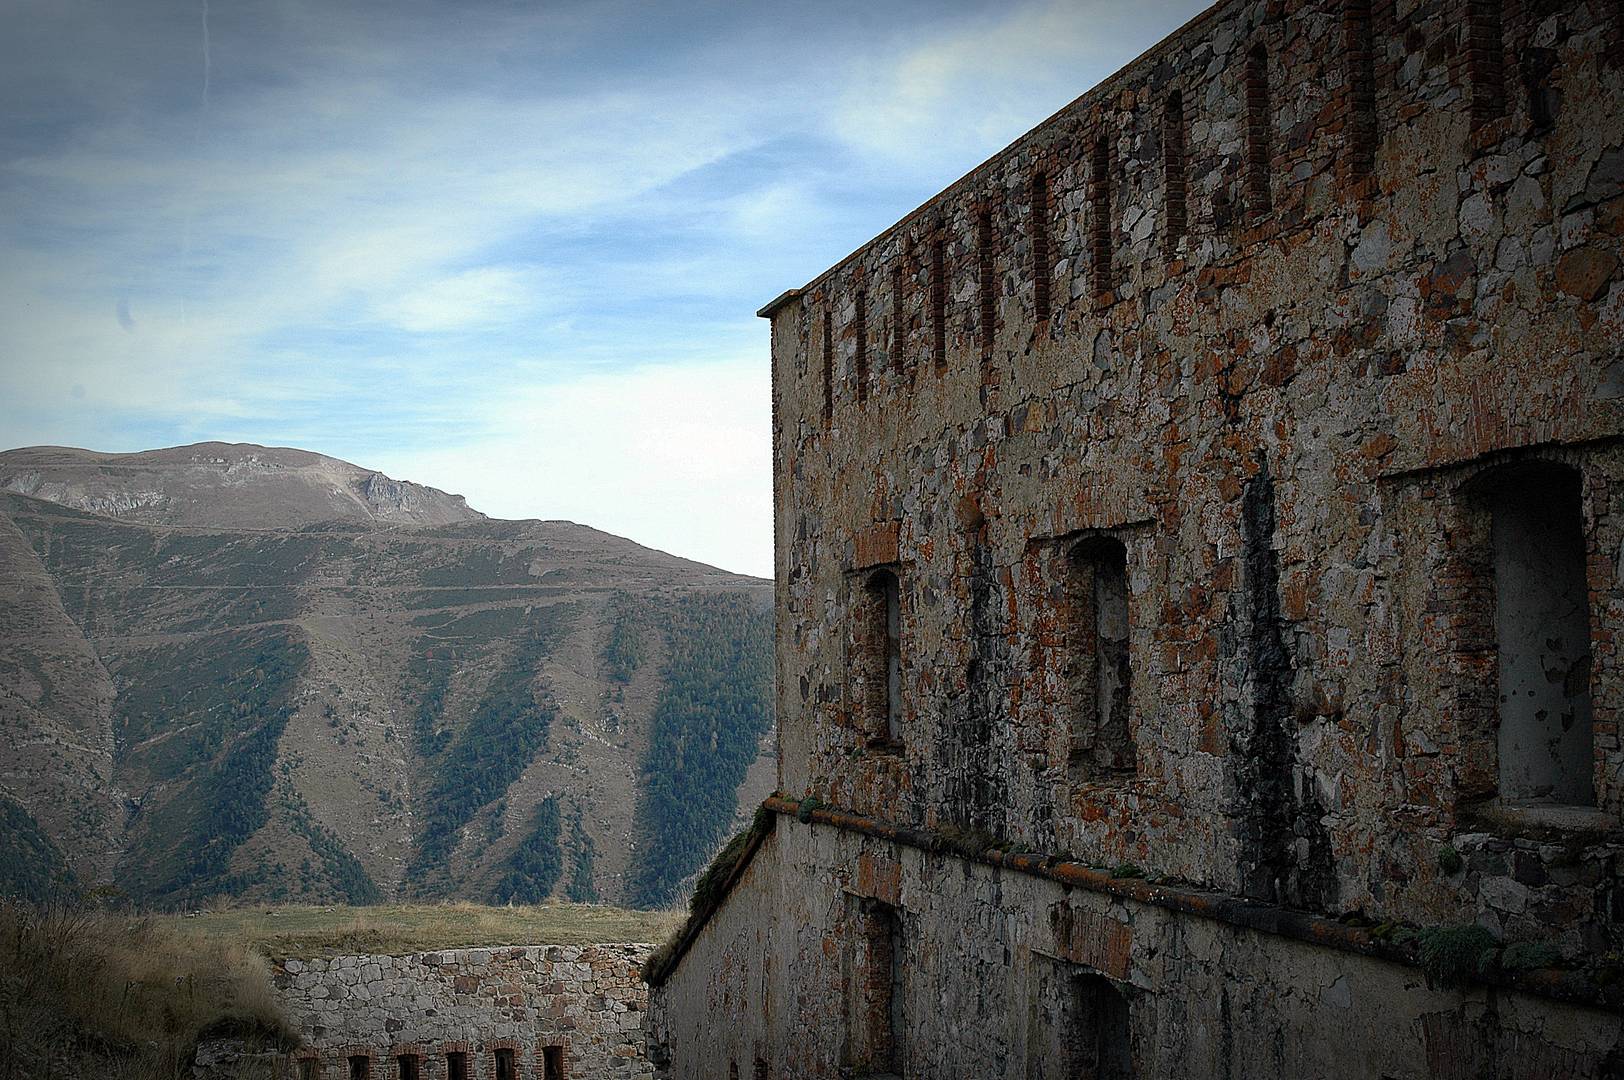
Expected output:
(510, 249)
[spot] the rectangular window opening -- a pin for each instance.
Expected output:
(1098, 662)
(360, 1067)
(407, 1067)
(505, 1065)
(1542, 636)
(1101, 1032)
(552, 1063)
(881, 1021)
(878, 657)
(456, 1065)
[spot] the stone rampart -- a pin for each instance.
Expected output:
(528, 1012)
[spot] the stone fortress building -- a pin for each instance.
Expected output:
(1200, 582)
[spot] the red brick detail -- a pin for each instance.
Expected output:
(1092, 939)
(899, 307)
(1175, 221)
(828, 368)
(938, 302)
(1259, 132)
(1359, 52)
(880, 878)
(987, 281)
(877, 545)
(860, 331)
(1100, 231)
(1486, 60)
(1040, 245)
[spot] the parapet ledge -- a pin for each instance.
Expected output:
(1557, 983)
(777, 302)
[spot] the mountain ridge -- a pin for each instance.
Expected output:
(192, 708)
(209, 484)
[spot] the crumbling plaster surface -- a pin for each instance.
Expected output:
(589, 999)
(770, 976)
(1280, 422)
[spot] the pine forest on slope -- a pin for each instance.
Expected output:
(227, 670)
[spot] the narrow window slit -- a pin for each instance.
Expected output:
(1173, 173)
(552, 1063)
(1101, 233)
(407, 1066)
(456, 1065)
(1040, 245)
(1259, 122)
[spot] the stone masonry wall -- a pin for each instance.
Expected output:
(1314, 273)
(1273, 324)
(770, 989)
(587, 1001)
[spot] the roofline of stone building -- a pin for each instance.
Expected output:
(974, 175)
(1561, 985)
(663, 963)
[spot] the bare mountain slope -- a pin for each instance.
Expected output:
(225, 485)
(355, 708)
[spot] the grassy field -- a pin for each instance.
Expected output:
(123, 997)
(404, 928)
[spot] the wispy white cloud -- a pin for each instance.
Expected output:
(483, 296)
(949, 98)
(441, 235)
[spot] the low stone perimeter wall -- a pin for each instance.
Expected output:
(533, 1012)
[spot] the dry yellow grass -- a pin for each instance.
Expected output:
(406, 928)
(121, 996)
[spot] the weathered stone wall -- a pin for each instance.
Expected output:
(1278, 320)
(775, 974)
(1283, 413)
(588, 1001)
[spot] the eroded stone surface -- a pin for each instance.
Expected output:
(588, 1000)
(1293, 416)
